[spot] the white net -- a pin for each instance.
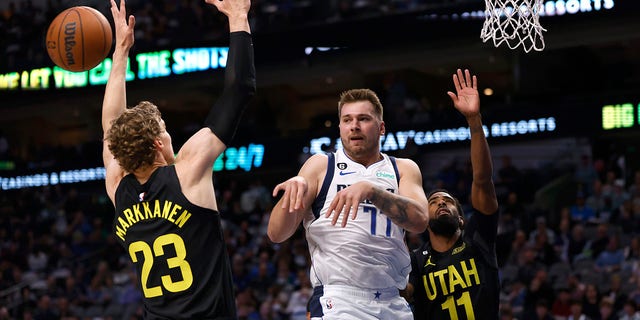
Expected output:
(514, 22)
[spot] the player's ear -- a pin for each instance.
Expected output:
(462, 222)
(158, 143)
(382, 128)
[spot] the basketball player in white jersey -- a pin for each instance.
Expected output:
(355, 205)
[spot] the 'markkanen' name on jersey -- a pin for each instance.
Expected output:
(142, 211)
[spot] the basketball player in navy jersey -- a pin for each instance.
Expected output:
(166, 213)
(355, 205)
(454, 274)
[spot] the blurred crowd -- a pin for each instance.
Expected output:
(59, 258)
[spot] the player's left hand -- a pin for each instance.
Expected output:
(347, 200)
(466, 99)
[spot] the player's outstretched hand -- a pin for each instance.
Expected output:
(124, 29)
(231, 7)
(466, 99)
(294, 191)
(347, 200)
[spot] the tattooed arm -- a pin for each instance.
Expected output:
(407, 209)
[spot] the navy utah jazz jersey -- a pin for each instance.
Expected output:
(177, 248)
(463, 282)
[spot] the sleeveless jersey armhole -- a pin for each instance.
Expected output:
(395, 168)
(322, 195)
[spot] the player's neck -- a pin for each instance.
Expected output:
(143, 173)
(441, 243)
(366, 159)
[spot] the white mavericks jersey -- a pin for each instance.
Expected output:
(370, 251)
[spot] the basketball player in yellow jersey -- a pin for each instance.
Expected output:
(355, 205)
(166, 214)
(454, 274)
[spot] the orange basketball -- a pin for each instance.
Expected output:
(79, 38)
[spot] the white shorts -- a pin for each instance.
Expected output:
(344, 303)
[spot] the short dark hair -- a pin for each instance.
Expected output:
(458, 205)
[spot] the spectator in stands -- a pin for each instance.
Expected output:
(576, 311)
(541, 312)
(632, 251)
(515, 296)
(508, 178)
(619, 194)
(562, 239)
(561, 308)
(541, 227)
(539, 289)
(591, 301)
(297, 305)
(596, 200)
(629, 311)
(45, 309)
(615, 293)
(578, 243)
(580, 213)
(517, 245)
(601, 240)
(507, 229)
(611, 259)
(607, 312)
(545, 253)
(585, 174)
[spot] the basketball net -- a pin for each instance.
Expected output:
(514, 22)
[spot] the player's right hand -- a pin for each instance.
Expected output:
(294, 191)
(124, 27)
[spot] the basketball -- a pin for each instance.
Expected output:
(79, 38)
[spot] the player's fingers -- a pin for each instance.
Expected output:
(293, 192)
(285, 197)
(467, 77)
(285, 200)
(299, 195)
(475, 82)
(276, 189)
(463, 83)
(332, 207)
(345, 216)
(355, 207)
(337, 211)
(453, 96)
(456, 82)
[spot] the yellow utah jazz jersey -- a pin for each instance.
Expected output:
(461, 283)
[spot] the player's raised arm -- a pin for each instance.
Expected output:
(115, 95)
(467, 101)
(198, 154)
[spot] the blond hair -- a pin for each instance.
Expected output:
(132, 135)
(355, 95)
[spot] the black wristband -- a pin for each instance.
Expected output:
(239, 87)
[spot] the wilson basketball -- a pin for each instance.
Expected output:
(79, 38)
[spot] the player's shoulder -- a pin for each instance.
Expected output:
(315, 166)
(317, 160)
(406, 165)
(405, 162)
